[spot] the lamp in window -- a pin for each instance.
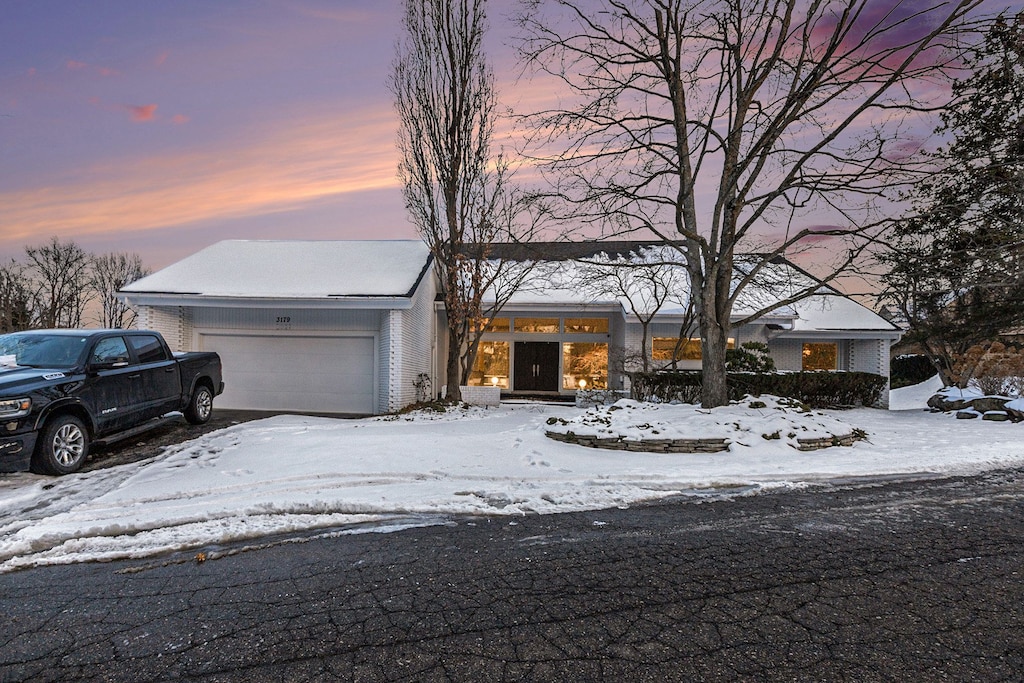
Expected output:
(583, 384)
(494, 381)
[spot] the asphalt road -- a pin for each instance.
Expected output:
(911, 580)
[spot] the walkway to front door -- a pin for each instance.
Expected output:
(536, 366)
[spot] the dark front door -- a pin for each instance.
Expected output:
(536, 366)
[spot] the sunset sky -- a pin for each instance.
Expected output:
(163, 127)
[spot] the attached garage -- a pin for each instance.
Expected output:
(294, 372)
(303, 326)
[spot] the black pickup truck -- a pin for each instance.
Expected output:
(61, 390)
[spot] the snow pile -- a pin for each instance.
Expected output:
(749, 422)
(914, 397)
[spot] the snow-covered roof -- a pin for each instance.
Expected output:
(302, 269)
(603, 279)
(835, 313)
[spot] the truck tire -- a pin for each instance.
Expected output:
(200, 406)
(63, 446)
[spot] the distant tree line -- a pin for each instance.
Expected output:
(59, 284)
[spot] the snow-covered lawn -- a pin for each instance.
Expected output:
(290, 473)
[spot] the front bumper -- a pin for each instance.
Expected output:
(16, 452)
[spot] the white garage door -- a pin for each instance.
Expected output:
(302, 373)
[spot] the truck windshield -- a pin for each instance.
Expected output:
(41, 350)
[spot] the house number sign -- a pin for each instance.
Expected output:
(283, 322)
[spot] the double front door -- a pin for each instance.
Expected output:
(536, 366)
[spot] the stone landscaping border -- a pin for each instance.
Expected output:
(686, 445)
(827, 442)
(992, 408)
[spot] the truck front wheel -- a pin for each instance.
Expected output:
(200, 406)
(63, 446)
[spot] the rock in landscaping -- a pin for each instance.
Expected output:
(990, 403)
(940, 402)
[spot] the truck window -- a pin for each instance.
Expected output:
(148, 348)
(110, 350)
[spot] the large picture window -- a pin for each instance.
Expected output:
(584, 365)
(821, 356)
(491, 366)
(664, 348)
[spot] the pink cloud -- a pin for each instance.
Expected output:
(141, 112)
(888, 25)
(161, 58)
(821, 233)
(904, 150)
(75, 65)
(179, 119)
(31, 71)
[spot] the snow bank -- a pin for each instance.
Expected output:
(914, 397)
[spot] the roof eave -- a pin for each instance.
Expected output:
(212, 301)
(840, 334)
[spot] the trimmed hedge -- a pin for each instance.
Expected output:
(816, 389)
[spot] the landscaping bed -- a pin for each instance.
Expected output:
(629, 425)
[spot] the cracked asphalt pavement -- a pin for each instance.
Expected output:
(906, 580)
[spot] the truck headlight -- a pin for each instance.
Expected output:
(15, 407)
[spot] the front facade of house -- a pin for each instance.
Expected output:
(358, 328)
(572, 331)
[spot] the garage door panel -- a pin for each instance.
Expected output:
(299, 373)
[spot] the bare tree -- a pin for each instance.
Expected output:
(456, 190)
(60, 275)
(15, 298)
(720, 125)
(644, 281)
(109, 273)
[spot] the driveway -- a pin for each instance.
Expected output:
(172, 431)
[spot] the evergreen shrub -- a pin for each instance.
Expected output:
(816, 389)
(910, 369)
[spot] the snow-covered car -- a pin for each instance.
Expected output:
(63, 390)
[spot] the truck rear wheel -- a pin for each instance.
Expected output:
(200, 406)
(63, 446)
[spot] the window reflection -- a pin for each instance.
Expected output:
(821, 356)
(491, 366)
(584, 365)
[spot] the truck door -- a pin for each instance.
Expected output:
(111, 382)
(160, 386)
